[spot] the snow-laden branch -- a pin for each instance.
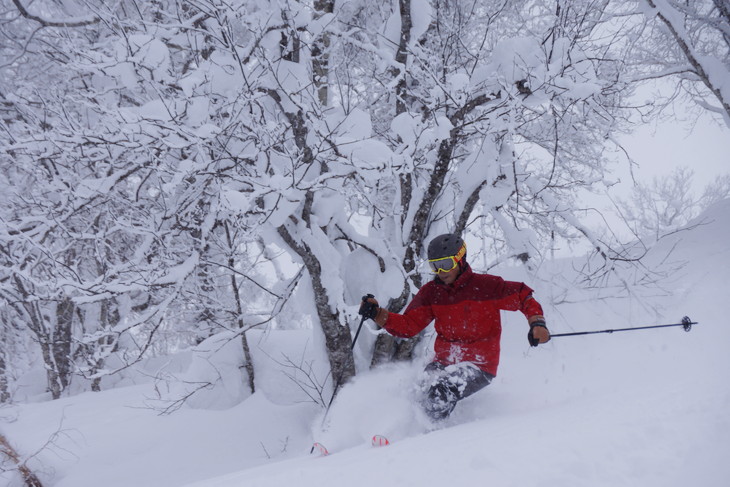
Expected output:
(713, 73)
(68, 22)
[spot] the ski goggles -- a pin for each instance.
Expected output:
(447, 264)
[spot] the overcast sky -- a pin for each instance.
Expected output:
(658, 149)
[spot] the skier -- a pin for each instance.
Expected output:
(466, 309)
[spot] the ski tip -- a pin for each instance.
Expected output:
(319, 450)
(380, 440)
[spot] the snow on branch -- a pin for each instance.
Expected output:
(69, 22)
(712, 72)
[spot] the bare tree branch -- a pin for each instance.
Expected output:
(81, 22)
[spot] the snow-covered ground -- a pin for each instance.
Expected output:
(645, 408)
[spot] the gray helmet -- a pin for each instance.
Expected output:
(446, 245)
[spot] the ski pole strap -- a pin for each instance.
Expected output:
(686, 324)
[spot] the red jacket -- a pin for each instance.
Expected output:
(468, 324)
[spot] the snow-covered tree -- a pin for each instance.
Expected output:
(114, 191)
(181, 144)
(689, 44)
(669, 203)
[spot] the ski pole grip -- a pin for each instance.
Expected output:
(368, 309)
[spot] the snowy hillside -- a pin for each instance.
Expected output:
(645, 408)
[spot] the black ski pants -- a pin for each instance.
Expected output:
(444, 386)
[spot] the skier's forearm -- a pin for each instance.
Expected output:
(381, 317)
(406, 325)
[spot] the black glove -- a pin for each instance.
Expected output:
(369, 307)
(531, 337)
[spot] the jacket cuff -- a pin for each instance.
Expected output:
(534, 320)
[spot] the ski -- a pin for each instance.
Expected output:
(380, 440)
(318, 449)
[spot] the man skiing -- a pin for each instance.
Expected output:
(466, 309)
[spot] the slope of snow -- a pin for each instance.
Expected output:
(114, 439)
(644, 408)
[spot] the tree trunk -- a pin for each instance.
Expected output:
(248, 362)
(37, 326)
(320, 55)
(54, 383)
(110, 317)
(4, 393)
(337, 337)
(30, 479)
(387, 346)
(61, 345)
(338, 340)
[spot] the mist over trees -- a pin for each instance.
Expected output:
(175, 169)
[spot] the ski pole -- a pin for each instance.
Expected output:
(337, 383)
(686, 324)
(357, 333)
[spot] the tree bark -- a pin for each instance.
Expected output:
(30, 479)
(248, 361)
(337, 337)
(320, 56)
(338, 340)
(4, 393)
(109, 318)
(61, 344)
(37, 326)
